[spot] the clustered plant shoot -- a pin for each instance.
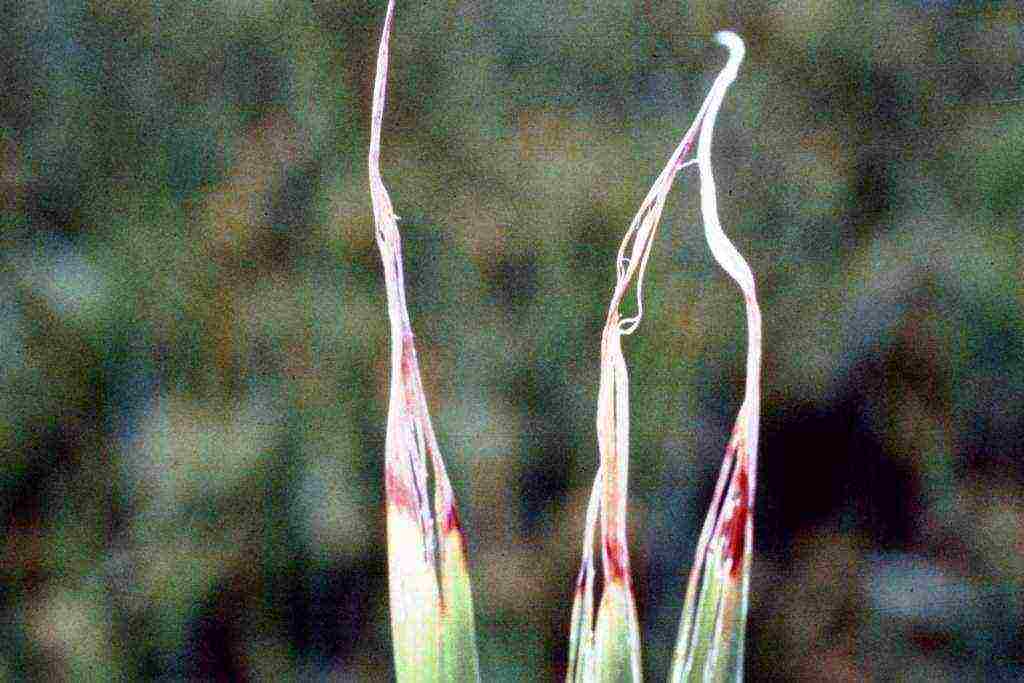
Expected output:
(430, 597)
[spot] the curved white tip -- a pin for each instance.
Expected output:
(734, 44)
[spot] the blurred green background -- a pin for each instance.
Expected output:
(193, 339)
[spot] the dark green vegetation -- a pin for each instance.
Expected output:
(193, 344)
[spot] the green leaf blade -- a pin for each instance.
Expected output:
(711, 634)
(459, 658)
(414, 600)
(617, 651)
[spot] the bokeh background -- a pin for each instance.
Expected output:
(193, 340)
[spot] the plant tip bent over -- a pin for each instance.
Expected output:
(710, 643)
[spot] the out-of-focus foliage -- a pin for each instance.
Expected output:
(194, 357)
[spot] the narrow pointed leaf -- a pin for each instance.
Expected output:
(430, 597)
(581, 641)
(458, 635)
(711, 634)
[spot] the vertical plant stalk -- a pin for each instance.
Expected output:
(610, 649)
(430, 597)
(711, 635)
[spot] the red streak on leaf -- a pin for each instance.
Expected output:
(398, 493)
(581, 578)
(616, 559)
(410, 373)
(734, 528)
(452, 524)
